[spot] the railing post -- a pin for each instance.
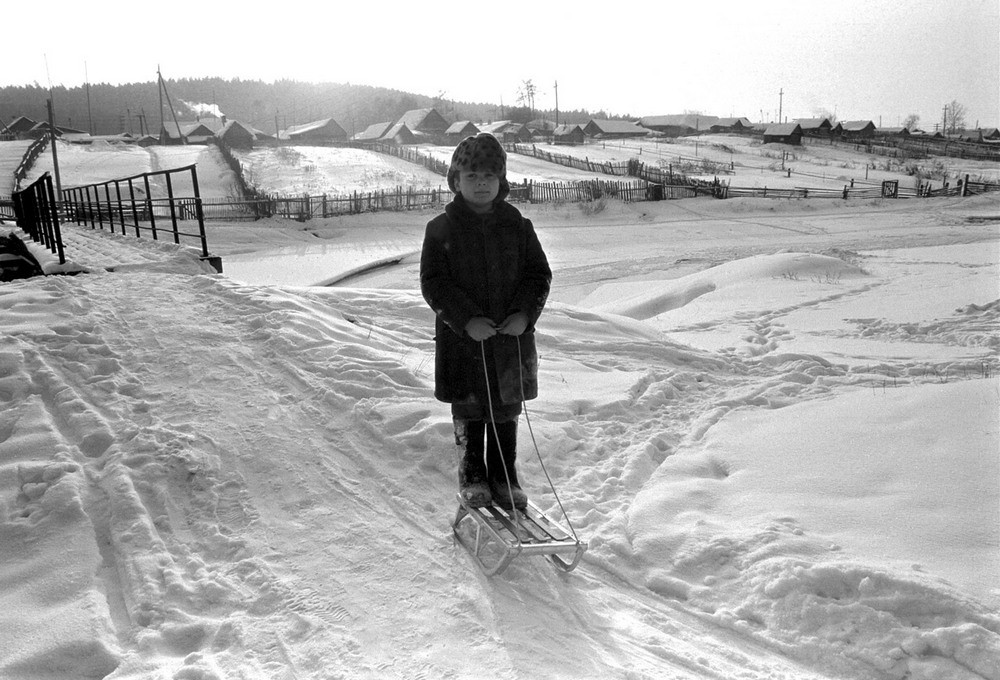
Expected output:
(135, 211)
(56, 231)
(149, 206)
(121, 210)
(173, 208)
(199, 211)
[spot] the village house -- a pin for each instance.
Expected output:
(569, 134)
(857, 129)
(507, 131)
(425, 124)
(326, 131)
(783, 133)
(399, 134)
(740, 124)
(679, 125)
(187, 132)
(613, 129)
(237, 135)
(373, 132)
(459, 130)
(815, 127)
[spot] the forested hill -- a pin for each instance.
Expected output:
(135, 107)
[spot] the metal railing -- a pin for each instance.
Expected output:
(128, 204)
(37, 214)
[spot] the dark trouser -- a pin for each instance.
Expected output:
(499, 441)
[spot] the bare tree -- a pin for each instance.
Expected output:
(954, 116)
(911, 121)
(526, 96)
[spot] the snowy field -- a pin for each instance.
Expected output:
(775, 423)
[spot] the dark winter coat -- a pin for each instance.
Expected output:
(483, 265)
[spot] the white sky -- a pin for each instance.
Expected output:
(859, 59)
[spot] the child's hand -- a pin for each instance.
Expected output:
(479, 328)
(514, 324)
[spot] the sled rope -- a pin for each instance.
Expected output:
(496, 436)
(531, 432)
(527, 420)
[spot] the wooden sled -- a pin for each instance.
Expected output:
(495, 537)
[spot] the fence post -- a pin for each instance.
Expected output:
(200, 213)
(965, 187)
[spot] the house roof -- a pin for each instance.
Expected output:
(187, 129)
(373, 131)
(857, 124)
(398, 130)
(617, 126)
(813, 123)
(328, 124)
(733, 122)
(567, 129)
(461, 126)
(416, 118)
(695, 121)
(783, 129)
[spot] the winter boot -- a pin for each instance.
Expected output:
(472, 481)
(501, 457)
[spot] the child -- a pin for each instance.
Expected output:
(483, 272)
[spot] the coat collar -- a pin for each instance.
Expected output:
(503, 212)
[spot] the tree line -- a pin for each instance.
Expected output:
(105, 109)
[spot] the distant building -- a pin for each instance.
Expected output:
(857, 129)
(425, 124)
(569, 134)
(892, 132)
(507, 131)
(679, 125)
(613, 129)
(237, 135)
(458, 131)
(783, 133)
(399, 134)
(373, 132)
(21, 125)
(731, 125)
(188, 132)
(324, 131)
(815, 127)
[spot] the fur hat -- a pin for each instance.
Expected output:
(481, 152)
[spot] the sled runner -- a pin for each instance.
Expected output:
(495, 537)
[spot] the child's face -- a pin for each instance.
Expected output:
(479, 188)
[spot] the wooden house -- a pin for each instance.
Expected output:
(373, 132)
(783, 133)
(990, 133)
(324, 131)
(399, 134)
(237, 135)
(857, 129)
(679, 125)
(569, 134)
(507, 131)
(613, 129)
(21, 125)
(892, 132)
(459, 130)
(425, 124)
(188, 132)
(740, 124)
(815, 127)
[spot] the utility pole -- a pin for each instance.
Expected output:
(557, 103)
(90, 115)
(52, 143)
(781, 95)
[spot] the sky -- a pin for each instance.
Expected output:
(858, 59)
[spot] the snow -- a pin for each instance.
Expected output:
(775, 423)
